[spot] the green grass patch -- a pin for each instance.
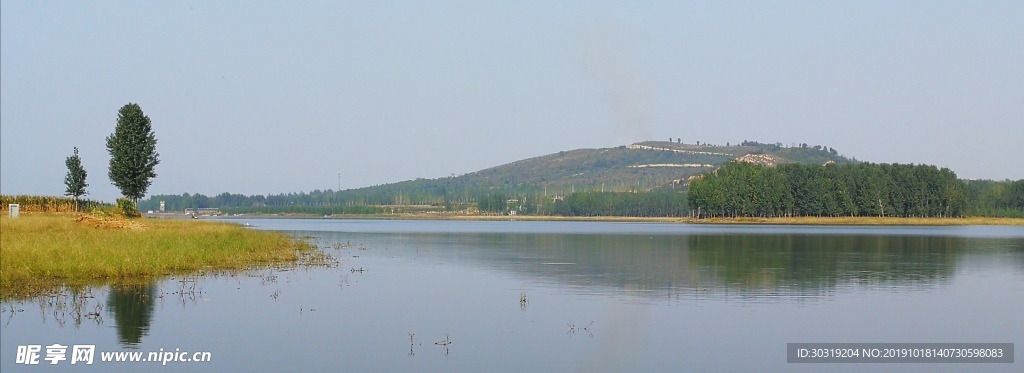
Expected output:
(43, 252)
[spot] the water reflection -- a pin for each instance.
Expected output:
(815, 264)
(587, 301)
(74, 305)
(131, 306)
(773, 265)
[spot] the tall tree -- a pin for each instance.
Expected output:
(75, 179)
(133, 155)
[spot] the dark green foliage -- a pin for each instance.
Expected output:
(800, 154)
(1016, 195)
(862, 189)
(132, 307)
(762, 146)
(133, 155)
(127, 208)
(648, 204)
(75, 178)
(799, 260)
(492, 203)
(995, 198)
(307, 210)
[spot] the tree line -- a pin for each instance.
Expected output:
(360, 201)
(737, 189)
(661, 203)
(995, 198)
(861, 189)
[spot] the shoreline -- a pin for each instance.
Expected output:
(862, 221)
(43, 252)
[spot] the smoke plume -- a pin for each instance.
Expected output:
(608, 60)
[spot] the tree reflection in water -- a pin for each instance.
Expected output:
(132, 309)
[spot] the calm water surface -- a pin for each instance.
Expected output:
(598, 297)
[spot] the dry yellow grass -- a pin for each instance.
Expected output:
(108, 222)
(41, 252)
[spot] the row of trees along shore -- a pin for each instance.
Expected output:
(862, 189)
(995, 198)
(659, 203)
(738, 189)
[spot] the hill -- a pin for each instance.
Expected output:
(643, 166)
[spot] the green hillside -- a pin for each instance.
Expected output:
(645, 165)
(648, 165)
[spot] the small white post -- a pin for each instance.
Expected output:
(15, 209)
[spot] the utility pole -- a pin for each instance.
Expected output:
(339, 180)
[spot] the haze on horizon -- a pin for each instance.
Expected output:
(259, 98)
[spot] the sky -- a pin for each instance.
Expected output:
(279, 97)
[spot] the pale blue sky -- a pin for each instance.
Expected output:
(272, 97)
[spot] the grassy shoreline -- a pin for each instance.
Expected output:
(882, 221)
(41, 252)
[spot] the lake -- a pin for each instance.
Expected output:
(469, 296)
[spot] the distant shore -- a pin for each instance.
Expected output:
(891, 221)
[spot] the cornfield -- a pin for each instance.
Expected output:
(49, 204)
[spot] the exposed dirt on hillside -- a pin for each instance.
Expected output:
(762, 159)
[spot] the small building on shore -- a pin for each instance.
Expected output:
(204, 211)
